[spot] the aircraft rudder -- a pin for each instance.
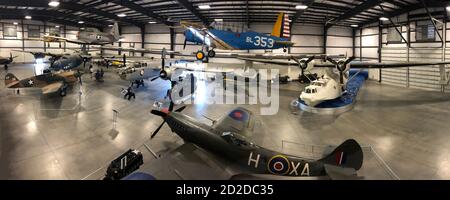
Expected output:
(115, 31)
(349, 154)
(281, 27)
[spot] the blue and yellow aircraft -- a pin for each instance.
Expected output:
(228, 40)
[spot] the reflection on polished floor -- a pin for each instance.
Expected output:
(72, 137)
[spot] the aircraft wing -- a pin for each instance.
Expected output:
(239, 120)
(341, 173)
(284, 43)
(41, 54)
(369, 65)
(152, 51)
(57, 38)
(187, 162)
(281, 59)
(52, 88)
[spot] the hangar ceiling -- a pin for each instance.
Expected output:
(100, 13)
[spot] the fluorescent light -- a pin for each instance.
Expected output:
(354, 25)
(110, 25)
(218, 20)
(53, 3)
(28, 17)
(384, 18)
(81, 28)
(122, 15)
(15, 23)
(56, 26)
(301, 7)
(152, 22)
(204, 6)
(448, 8)
(80, 22)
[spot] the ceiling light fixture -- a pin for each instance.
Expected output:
(121, 15)
(354, 25)
(384, 18)
(203, 7)
(448, 8)
(56, 26)
(110, 25)
(80, 22)
(301, 7)
(152, 22)
(28, 17)
(53, 3)
(218, 20)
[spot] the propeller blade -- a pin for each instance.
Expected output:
(180, 109)
(184, 45)
(124, 59)
(349, 59)
(154, 78)
(171, 106)
(157, 130)
(159, 113)
(310, 59)
(341, 77)
(332, 61)
(302, 71)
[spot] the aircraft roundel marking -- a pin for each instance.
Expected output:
(142, 72)
(279, 165)
(239, 115)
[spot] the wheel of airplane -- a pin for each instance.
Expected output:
(211, 53)
(284, 50)
(200, 55)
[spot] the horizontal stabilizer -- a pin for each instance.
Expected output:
(341, 173)
(284, 43)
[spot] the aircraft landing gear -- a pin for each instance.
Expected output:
(63, 92)
(284, 50)
(200, 55)
(211, 53)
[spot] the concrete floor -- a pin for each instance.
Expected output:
(72, 137)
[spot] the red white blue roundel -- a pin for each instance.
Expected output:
(278, 165)
(239, 115)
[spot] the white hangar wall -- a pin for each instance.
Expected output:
(426, 78)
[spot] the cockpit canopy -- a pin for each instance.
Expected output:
(236, 139)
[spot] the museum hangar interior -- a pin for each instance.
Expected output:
(224, 89)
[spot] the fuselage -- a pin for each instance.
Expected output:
(95, 37)
(234, 147)
(322, 89)
(228, 40)
(67, 62)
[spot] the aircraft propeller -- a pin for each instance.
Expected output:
(163, 74)
(303, 63)
(164, 115)
(341, 66)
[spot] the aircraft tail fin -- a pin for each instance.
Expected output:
(115, 31)
(348, 155)
(10, 78)
(282, 26)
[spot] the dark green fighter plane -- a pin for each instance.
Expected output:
(227, 139)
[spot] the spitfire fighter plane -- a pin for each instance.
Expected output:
(228, 40)
(227, 139)
(333, 85)
(48, 83)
